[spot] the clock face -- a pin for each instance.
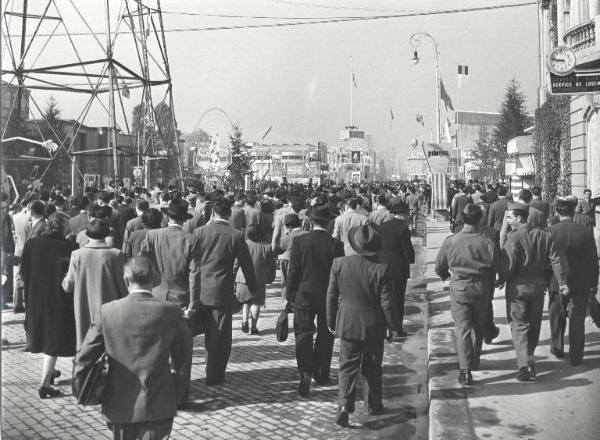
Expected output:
(561, 61)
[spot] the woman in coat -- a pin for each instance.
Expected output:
(95, 276)
(50, 320)
(263, 261)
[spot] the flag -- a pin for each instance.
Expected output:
(445, 97)
(266, 133)
(439, 191)
(462, 70)
(125, 90)
(447, 131)
(354, 81)
(391, 114)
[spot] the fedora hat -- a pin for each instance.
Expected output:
(178, 210)
(365, 239)
(319, 212)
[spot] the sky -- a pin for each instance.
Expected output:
(297, 79)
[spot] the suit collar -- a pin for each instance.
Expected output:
(140, 294)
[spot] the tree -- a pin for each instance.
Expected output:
(52, 128)
(513, 119)
(486, 155)
(241, 161)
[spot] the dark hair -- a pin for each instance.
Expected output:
(222, 207)
(322, 223)
(297, 203)
(587, 190)
(139, 270)
(253, 232)
(55, 224)
(97, 229)
(472, 214)
(352, 202)
(292, 221)
(267, 207)
(106, 197)
(37, 207)
(99, 212)
(81, 202)
(152, 219)
(381, 199)
(49, 209)
(525, 195)
(142, 205)
(536, 190)
(521, 213)
(502, 191)
(565, 209)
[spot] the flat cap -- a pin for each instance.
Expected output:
(518, 206)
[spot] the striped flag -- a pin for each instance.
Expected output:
(462, 70)
(439, 191)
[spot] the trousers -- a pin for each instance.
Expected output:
(284, 270)
(468, 305)
(155, 430)
(490, 327)
(313, 358)
(217, 341)
(360, 358)
(399, 298)
(526, 304)
(574, 307)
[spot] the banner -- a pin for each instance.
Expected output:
(355, 156)
(439, 191)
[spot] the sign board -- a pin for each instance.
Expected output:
(138, 171)
(356, 177)
(576, 83)
(322, 146)
(91, 180)
(351, 134)
(355, 156)
(126, 182)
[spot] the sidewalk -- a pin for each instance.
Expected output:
(259, 399)
(561, 404)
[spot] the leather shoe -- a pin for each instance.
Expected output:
(375, 409)
(245, 327)
(523, 374)
(321, 380)
(342, 417)
(55, 375)
(350, 407)
(465, 377)
(531, 369)
(557, 352)
(489, 338)
(304, 386)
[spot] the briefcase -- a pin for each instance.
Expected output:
(92, 390)
(594, 310)
(281, 328)
(199, 321)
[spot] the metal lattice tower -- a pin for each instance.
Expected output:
(130, 57)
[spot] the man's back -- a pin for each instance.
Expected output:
(576, 243)
(140, 334)
(22, 229)
(219, 245)
(238, 218)
(397, 249)
(496, 213)
(342, 225)
(310, 262)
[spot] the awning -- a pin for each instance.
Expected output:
(525, 165)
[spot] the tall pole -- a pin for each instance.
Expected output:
(457, 123)
(351, 91)
(415, 42)
(111, 96)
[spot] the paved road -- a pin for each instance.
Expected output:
(561, 404)
(259, 398)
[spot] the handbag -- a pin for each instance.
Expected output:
(92, 390)
(199, 321)
(281, 327)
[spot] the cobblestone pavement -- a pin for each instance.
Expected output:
(259, 398)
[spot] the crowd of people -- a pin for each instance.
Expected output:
(119, 272)
(530, 246)
(137, 274)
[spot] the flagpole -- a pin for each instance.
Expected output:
(351, 89)
(456, 114)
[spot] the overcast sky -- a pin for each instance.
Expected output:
(297, 79)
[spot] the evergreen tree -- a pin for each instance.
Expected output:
(240, 159)
(53, 129)
(513, 119)
(486, 155)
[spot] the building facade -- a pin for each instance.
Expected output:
(286, 162)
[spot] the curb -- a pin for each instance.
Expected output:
(449, 412)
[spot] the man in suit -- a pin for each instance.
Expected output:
(540, 205)
(218, 246)
(238, 215)
(398, 252)
(22, 229)
(311, 257)
(174, 252)
(150, 220)
(381, 213)
(491, 195)
(293, 228)
(497, 209)
(136, 223)
(252, 209)
(80, 221)
(472, 260)
(360, 319)
(526, 254)
(115, 221)
(459, 202)
(348, 219)
(576, 245)
(38, 223)
(145, 339)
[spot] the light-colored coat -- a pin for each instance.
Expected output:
(96, 277)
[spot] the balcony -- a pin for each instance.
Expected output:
(582, 39)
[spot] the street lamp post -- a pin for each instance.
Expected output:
(415, 42)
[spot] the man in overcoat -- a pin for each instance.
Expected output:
(174, 252)
(577, 246)
(360, 307)
(218, 246)
(398, 252)
(146, 340)
(311, 257)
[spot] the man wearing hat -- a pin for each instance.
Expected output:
(473, 260)
(311, 257)
(576, 244)
(526, 253)
(360, 307)
(398, 252)
(174, 252)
